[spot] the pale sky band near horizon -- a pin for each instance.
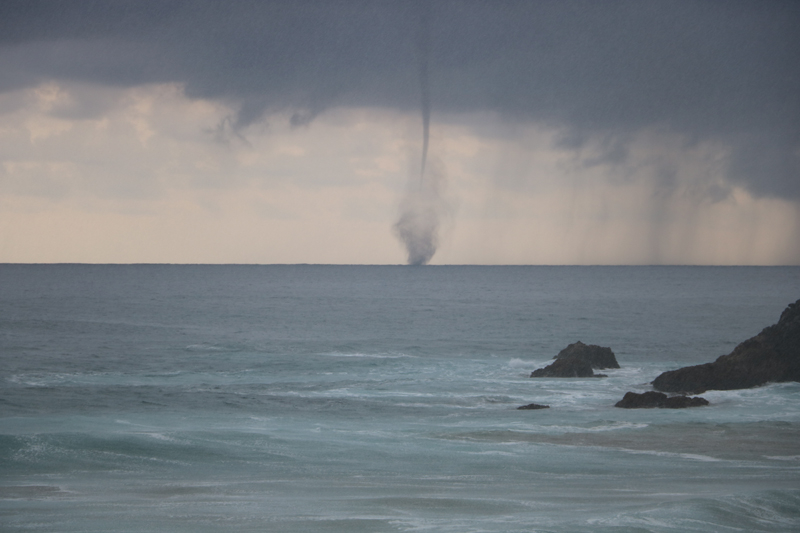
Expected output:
(569, 132)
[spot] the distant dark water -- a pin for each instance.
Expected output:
(359, 398)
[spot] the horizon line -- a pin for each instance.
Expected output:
(672, 265)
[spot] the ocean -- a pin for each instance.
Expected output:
(140, 398)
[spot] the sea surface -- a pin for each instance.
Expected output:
(142, 398)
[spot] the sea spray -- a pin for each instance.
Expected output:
(421, 211)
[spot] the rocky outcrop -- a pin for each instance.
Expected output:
(771, 356)
(578, 361)
(533, 406)
(597, 356)
(651, 399)
(565, 368)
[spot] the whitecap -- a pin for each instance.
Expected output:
(366, 355)
(159, 436)
(516, 362)
(593, 429)
(617, 425)
(495, 452)
(692, 456)
(203, 347)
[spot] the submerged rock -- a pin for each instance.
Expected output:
(651, 399)
(771, 356)
(578, 361)
(534, 406)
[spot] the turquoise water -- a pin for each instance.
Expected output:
(346, 399)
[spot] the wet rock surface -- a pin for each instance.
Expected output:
(534, 406)
(578, 360)
(653, 399)
(598, 356)
(771, 356)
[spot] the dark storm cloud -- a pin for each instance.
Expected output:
(710, 70)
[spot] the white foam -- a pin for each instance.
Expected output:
(207, 347)
(64, 378)
(583, 429)
(495, 452)
(692, 456)
(523, 363)
(367, 355)
(159, 436)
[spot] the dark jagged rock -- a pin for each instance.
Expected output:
(651, 399)
(597, 356)
(577, 361)
(565, 368)
(771, 356)
(534, 406)
(679, 402)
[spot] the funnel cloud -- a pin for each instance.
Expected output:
(418, 224)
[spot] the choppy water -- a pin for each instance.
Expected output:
(347, 399)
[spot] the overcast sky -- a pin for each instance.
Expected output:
(561, 132)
